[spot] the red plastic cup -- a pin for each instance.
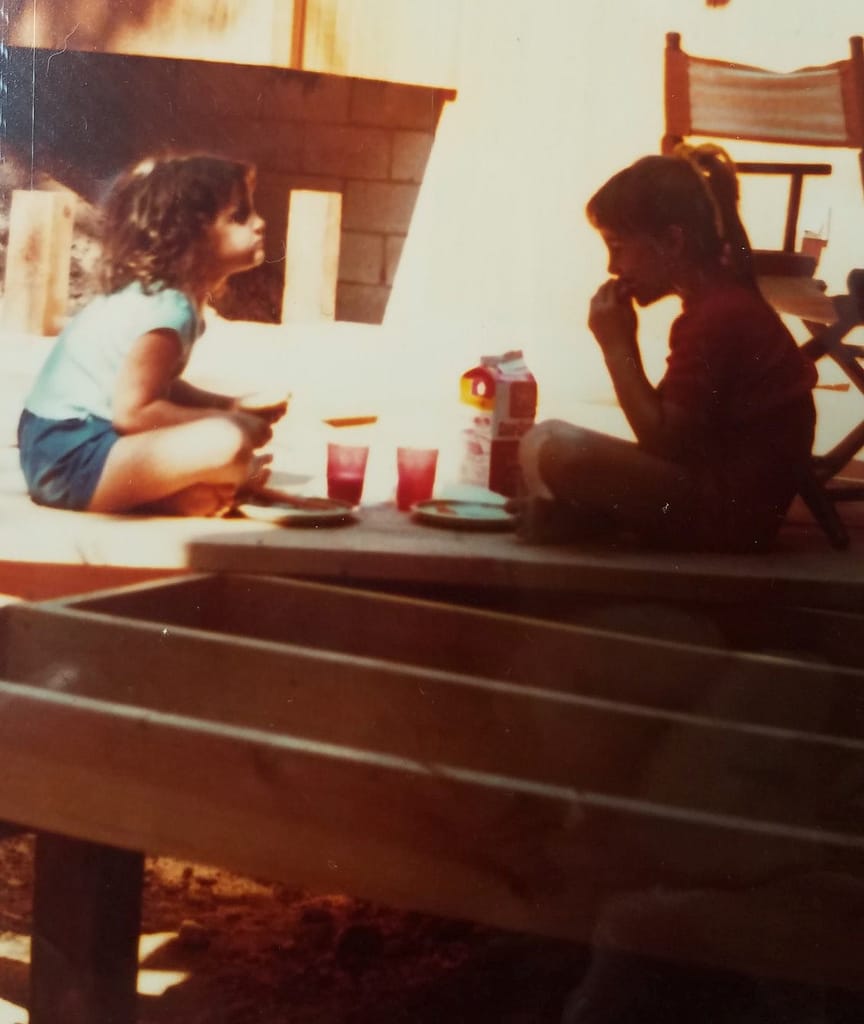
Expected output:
(812, 245)
(416, 475)
(346, 471)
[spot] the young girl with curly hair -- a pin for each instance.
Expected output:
(110, 425)
(722, 440)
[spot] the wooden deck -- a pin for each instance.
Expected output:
(383, 544)
(650, 741)
(558, 779)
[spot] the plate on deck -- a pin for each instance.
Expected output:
(464, 515)
(295, 510)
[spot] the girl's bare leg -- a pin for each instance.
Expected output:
(211, 500)
(603, 474)
(206, 500)
(145, 468)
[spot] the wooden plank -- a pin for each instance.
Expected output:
(430, 836)
(39, 581)
(363, 772)
(298, 33)
(814, 634)
(385, 546)
(86, 925)
(61, 261)
(593, 660)
(37, 261)
(312, 256)
(239, 31)
(717, 757)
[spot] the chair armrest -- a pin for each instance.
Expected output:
(796, 173)
(778, 263)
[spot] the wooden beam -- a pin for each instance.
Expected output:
(547, 685)
(790, 650)
(39, 581)
(298, 34)
(232, 721)
(86, 925)
(37, 261)
(414, 833)
(312, 256)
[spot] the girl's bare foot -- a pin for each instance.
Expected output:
(257, 476)
(203, 500)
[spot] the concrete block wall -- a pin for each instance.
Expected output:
(366, 139)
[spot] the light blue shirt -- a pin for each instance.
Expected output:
(79, 377)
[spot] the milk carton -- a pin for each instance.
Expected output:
(499, 398)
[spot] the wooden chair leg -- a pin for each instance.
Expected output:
(86, 924)
(823, 510)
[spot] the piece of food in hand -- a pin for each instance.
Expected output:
(269, 405)
(623, 290)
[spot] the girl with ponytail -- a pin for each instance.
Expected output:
(722, 439)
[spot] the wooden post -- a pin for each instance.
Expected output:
(86, 925)
(61, 259)
(298, 34)
(312, 256)
(37, 261)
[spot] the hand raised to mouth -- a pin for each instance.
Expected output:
(612, 318)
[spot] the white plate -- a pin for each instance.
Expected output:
(465, 515)
(298, 511)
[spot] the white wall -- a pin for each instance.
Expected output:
(553, 96)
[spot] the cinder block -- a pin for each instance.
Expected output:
(205, 90)
(393, 105)
(343, 150)
(410, 155)
(393, 246)
(363, 303)
(316, 182)
(277, 147)
(361, 258)
(378, 206)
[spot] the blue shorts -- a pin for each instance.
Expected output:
(62, 460)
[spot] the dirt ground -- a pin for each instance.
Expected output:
(218, 948)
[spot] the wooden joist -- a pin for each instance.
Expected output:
(464, 763)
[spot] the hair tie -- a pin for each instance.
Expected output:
(144, 168)
(691, 155)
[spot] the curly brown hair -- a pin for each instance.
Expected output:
(157, 215)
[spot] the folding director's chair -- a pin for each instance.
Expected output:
(816, 106)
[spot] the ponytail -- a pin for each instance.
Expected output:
(716, 171)
(695, 188)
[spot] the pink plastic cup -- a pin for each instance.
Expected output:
(416, 475)
(346, 471)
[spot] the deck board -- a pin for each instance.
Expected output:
(384, 545)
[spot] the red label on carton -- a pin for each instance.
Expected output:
(500, 399)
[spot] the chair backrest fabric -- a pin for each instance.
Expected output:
(818, 106)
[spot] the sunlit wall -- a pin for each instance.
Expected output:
(553, 96)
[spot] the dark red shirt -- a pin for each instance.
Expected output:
(745, 391)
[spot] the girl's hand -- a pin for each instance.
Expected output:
(266, 405)
(612, 319)
(258, 430)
